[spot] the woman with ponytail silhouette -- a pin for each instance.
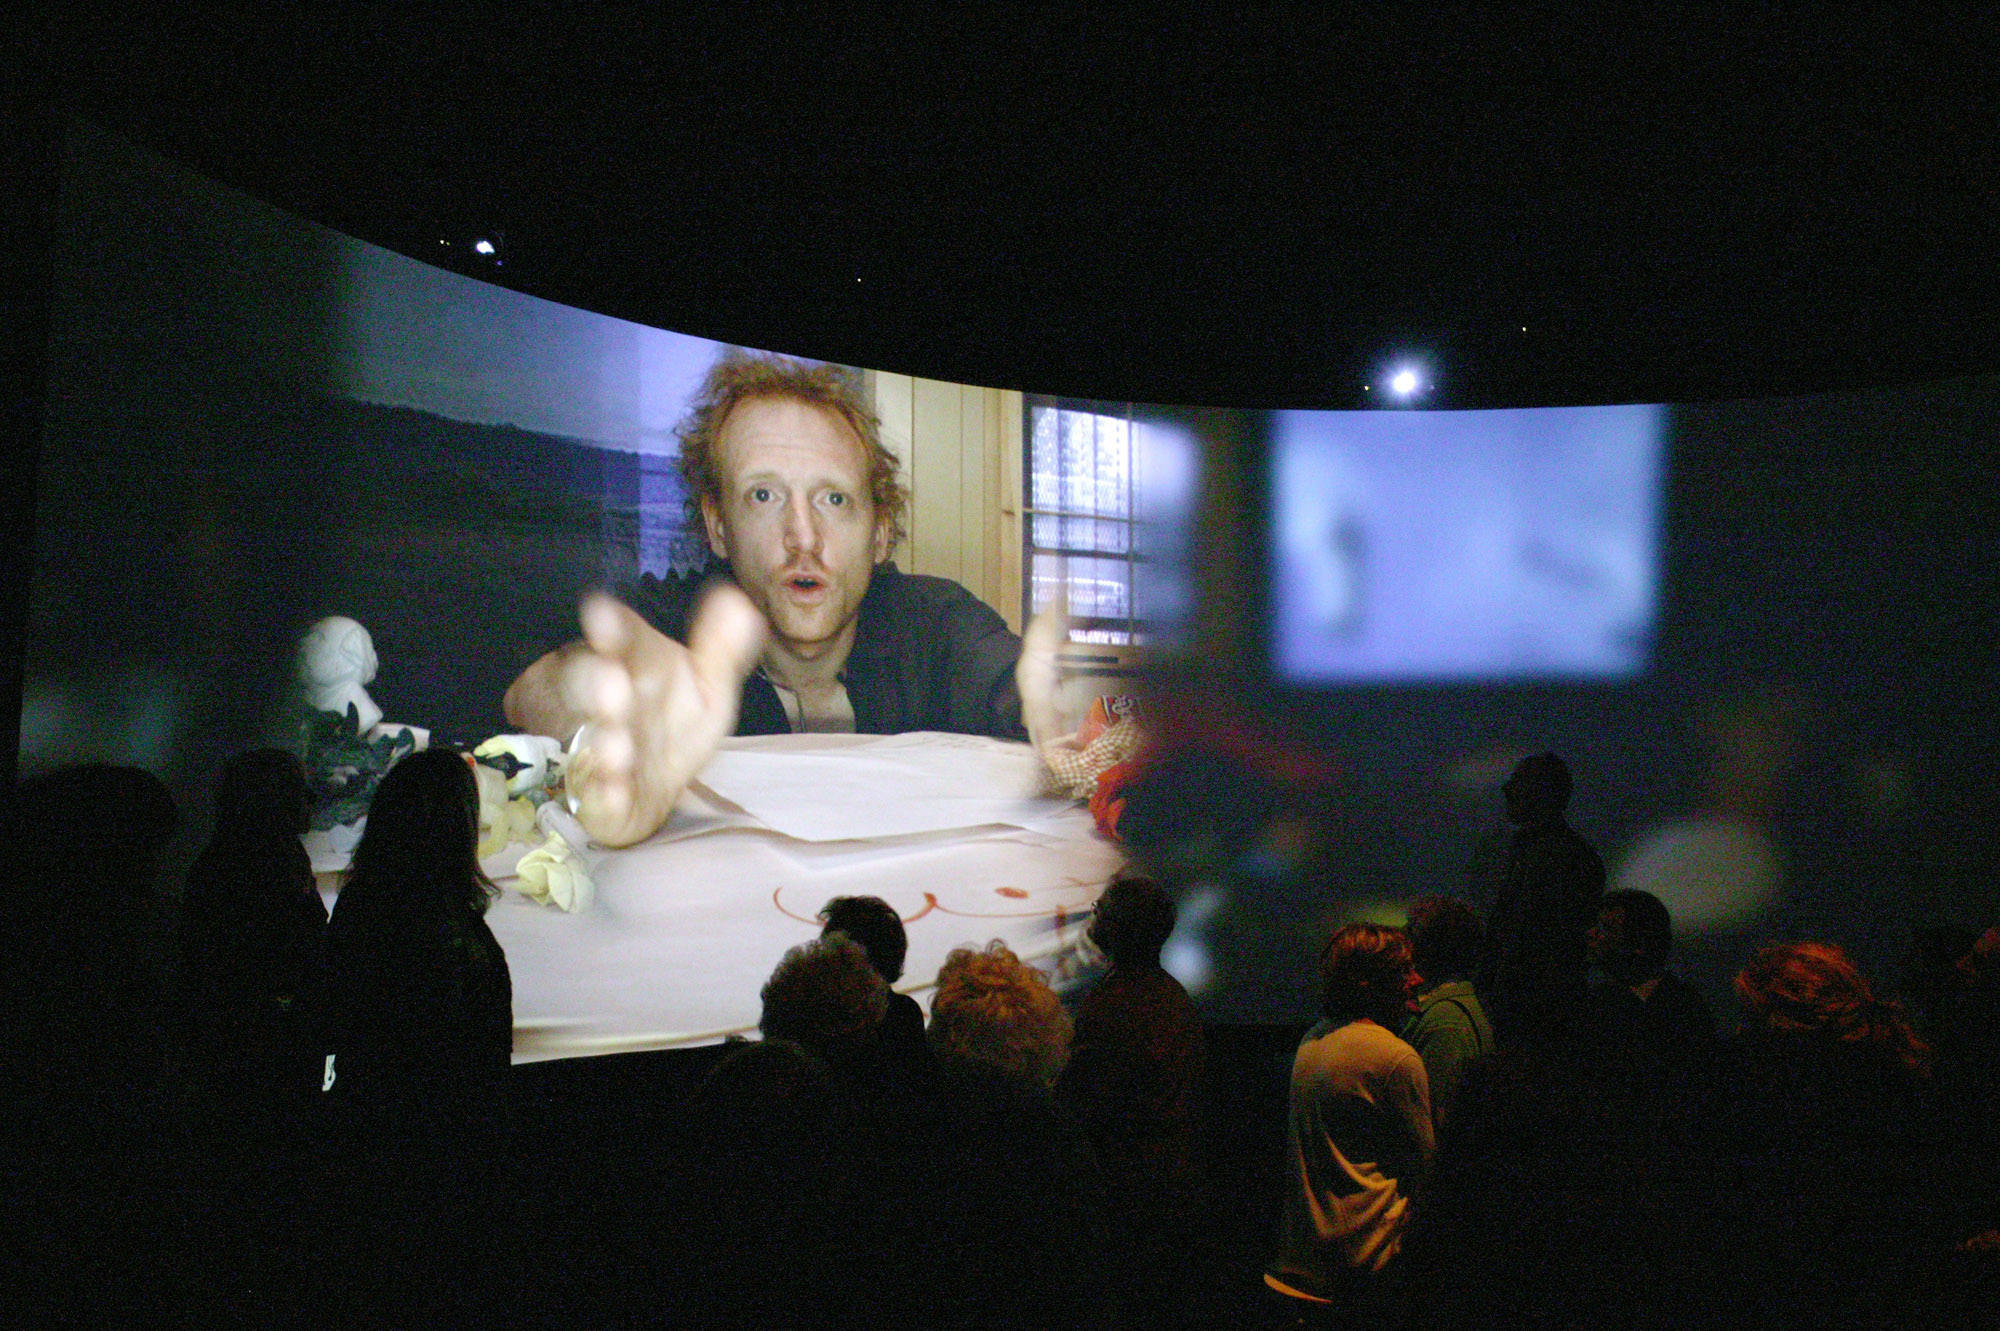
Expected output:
(411, 1018)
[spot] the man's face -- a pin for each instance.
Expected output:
(1413, 986)
(1605, 937)
(795, 520)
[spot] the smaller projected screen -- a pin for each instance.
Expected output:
(1464, 546)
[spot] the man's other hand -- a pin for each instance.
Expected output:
(1038, 675)
(653, 710)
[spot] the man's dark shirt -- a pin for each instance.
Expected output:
(899, 1041)
(927, 655)
(1135, 1078)
(1678, 1009)
(1671, 1027)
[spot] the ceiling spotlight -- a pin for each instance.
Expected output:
(1404, 382)
(483, 246)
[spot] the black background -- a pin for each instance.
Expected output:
(1248, 210)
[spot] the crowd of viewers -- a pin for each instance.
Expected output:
(1526, 1119)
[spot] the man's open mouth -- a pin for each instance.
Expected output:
(804, 582)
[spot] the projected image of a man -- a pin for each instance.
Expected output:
(802, 509)
(798, 528)
(805, 625)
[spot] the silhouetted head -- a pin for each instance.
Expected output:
(1538, 791)
(95, 809)
(758, 1144)
(1981, 963)
(419, 850)
(1134, 919)
(1795, 990)
(1445, 938)
(873, 923)
(89, 838)
(825, 995)
(1931, 973)
(1632, 936)
(82, 906)
(993, 1012)
(1365, 971)
(771, 1094)
(261, 799)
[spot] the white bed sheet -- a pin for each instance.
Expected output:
(685, 927)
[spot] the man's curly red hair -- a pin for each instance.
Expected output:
(738, 378)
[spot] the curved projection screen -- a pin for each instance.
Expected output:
(1761, 632)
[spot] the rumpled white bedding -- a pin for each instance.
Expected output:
(685, 928)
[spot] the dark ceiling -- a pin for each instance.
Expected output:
(1220, 211)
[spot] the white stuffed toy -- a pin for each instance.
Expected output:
(502, 821)
(537, 763)
(336, 661)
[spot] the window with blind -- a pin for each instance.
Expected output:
(1109, 500)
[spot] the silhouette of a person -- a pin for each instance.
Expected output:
(1536, 964)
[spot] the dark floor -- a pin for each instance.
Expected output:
(145, 1243)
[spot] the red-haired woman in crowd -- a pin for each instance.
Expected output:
(1843, 1194)
(1810, 995)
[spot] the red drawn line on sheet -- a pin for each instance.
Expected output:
(1059, 913)
(930, 904)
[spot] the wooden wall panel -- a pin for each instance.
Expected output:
(936, 474)
(1012, 441)
(960, 449)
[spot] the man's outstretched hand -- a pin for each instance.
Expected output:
(654, 710)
